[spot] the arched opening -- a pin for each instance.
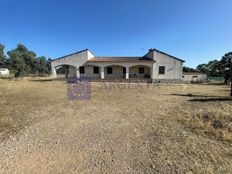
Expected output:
(115, 71)
(90, 71)
(65, 71)
(140, 71)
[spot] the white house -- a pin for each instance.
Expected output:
(4, 72)
(155, 65)
(194, 77)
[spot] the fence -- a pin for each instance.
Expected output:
(216, 78)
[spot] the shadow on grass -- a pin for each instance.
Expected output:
(211, 99)
(41, 80)
(192, 95)
(204, 98)
(49, 80)
(217, 83)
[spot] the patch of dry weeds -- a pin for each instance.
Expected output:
(213, 119)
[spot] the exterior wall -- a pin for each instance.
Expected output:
(134, 72)
(123, 64)
(173, 67)
(118, 68)
(5, 72)
(89, 55)
(76, 60)
(194, 78)
(72, 72)
(89, 72)
(117, 72)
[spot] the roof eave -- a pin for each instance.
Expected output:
(121, 61)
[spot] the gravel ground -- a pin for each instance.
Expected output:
(117, 131)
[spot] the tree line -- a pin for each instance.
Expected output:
(213, 68)
(23, 62)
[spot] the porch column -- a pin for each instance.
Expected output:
(66, 71)
(54, 75)
(127, 72)
(153, 71)
(102, 72)
(77, 72)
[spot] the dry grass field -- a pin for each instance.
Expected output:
(181, 128)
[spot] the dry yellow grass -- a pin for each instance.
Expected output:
(147, 129)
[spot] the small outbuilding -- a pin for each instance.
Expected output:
(194, 77)
(4, 72)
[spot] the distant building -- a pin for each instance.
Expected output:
(4, 72)
(155, 65)
(194, 76)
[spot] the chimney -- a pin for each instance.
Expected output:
(151, 49)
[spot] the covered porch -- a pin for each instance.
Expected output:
(116, 71)
(110, 71)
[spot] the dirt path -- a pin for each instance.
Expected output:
(122, 131)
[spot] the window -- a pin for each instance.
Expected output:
(82, 70)
(161, 69)
(96, 70)
(124, 70)
(141, 70)
(109, 70)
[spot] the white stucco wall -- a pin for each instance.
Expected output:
(89, 54)
(173, 67)
(194, 77)
(134, 71)
(118, 68)
(4, 72)
(90, 73)
(75, 60)
(124, 64)
(117, 72)
(72, 72)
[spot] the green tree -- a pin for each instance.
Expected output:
(21, 61)
(187, 69)
(2, 56)
(41, 65)
(226, 60)
(227, 64)
(48, 66)
(212, 68)
(203, 68)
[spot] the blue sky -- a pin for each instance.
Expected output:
(194, 30)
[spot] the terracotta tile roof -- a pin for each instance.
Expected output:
(119, 59)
